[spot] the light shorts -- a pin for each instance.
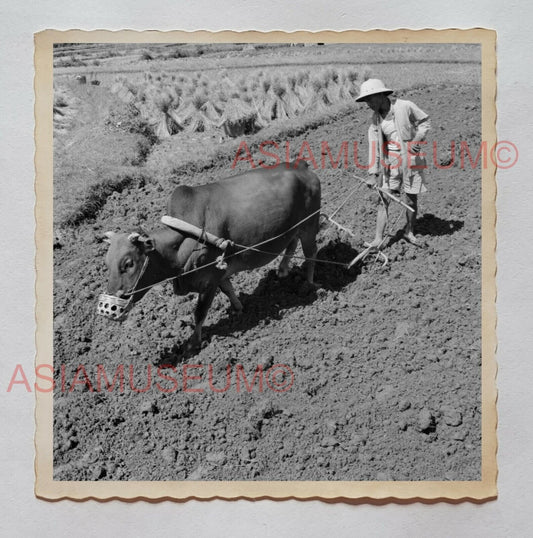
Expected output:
(414, 184)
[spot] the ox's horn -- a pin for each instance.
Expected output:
(135, 237)
(108, 235)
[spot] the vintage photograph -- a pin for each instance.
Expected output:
(267, 262)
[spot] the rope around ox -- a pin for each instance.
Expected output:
(225, 257)
(245, 248)
(221, 259)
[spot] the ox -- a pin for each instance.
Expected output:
(276, 207)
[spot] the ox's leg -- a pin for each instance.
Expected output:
(283, 269)
(227, 288)
(308, 239)
(205, 298)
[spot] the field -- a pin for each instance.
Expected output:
(386, 360)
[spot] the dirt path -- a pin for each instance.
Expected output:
(386, 361)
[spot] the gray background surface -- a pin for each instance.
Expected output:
(510, 515)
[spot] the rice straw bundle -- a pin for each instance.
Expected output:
(238, 118)
(293, 103)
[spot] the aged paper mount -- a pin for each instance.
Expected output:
(379, 488)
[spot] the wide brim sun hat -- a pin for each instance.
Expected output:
(372, 86)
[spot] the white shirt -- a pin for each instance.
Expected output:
(388, 128)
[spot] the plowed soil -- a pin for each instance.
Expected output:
(383, 363)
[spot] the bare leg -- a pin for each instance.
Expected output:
(202, 306)
(227, 289)
(412, 201)
(283, 269)
(409, 234)
(381, 221)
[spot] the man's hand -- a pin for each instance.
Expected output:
(372, 181)
(415, 146)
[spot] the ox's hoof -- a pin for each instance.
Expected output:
(283, 272)
(237, 311)
(168, 357)
(307, 288)
(193, 346)
(237, 307)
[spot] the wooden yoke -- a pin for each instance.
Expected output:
(184, 227)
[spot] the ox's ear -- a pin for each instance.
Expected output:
(108, 236)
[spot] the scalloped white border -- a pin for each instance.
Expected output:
(358, 492)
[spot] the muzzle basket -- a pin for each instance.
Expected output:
(112, 307)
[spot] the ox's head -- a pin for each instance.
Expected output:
(127, 260)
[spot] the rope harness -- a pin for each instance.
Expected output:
(224, 244)
(115, 307)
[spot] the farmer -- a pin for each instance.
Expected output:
(397, 127)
